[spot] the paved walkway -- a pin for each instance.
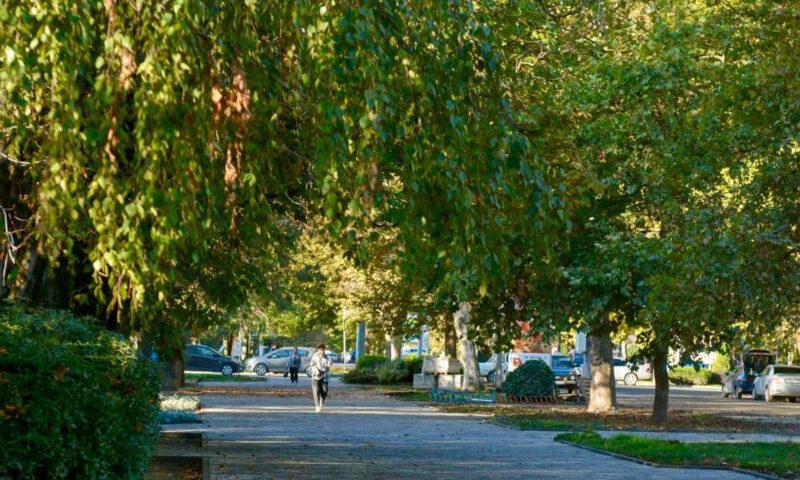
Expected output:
(363, 435)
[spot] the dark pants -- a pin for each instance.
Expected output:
(319, 389)
(293, 373)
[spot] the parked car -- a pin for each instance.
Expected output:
(740, 381)
(278, 361)
(488, 370)
(629, 373)
(201, 357)
(778, 381)
(564, 371)
(577, 361)
(350, 357)
(333, 356)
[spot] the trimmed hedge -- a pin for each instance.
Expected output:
(690, 376)
(76, 401)
(531, 379)
(385, 373)
(369, 361)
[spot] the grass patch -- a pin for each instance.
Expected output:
(780, 459)
(218, 377)
(576, 418)
(409, 395)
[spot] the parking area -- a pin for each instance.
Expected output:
(708, 399)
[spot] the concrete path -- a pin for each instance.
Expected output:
(275, 433)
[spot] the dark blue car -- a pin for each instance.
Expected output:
(740, 380)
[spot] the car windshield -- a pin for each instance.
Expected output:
(788, 370)
(206, 351)
(562, 362)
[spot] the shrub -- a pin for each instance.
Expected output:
(168, 417)
(690, 376)
(413, 364)
(722, 364)
(76, 401)
(360, 376)
(531, 379)
(385, 372)
(188, 403)
(368, 361)
(178, 409)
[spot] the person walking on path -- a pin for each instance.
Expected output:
(320, 367)
(294, 364)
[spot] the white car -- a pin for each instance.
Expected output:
(624, 371)
(778, 381)
(487, 368)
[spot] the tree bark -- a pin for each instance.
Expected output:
(498, 369)
(661, 399)
(603, 393)
(173, 378)
(450, 349)
(229, 344)
(797, 339)
(33, 277)
(396, 347)
(388, 349)
(472, 375)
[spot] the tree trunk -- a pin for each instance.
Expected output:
(229, 344)
(450, 349)
(603, 394)
(466, 352)
(498, 369)
(661, 399)
(797, 339)
(388, 350)
(34, 277)
(173, 378)
(396, 347)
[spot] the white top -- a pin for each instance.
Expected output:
(320, 366)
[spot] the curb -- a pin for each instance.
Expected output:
(658, 465)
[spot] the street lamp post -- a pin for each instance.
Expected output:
(344, 337)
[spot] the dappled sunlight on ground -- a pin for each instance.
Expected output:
(363, 434)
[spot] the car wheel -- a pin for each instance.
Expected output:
(227, 369)
(738, 393)
(630, 378)
(308, 371)
(724, 393)
(490, 377)
(768, 396)
(261, 369)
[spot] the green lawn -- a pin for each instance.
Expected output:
(780, 459)
(410, 395)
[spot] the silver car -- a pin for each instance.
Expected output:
(278, 361)
(778, 381)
